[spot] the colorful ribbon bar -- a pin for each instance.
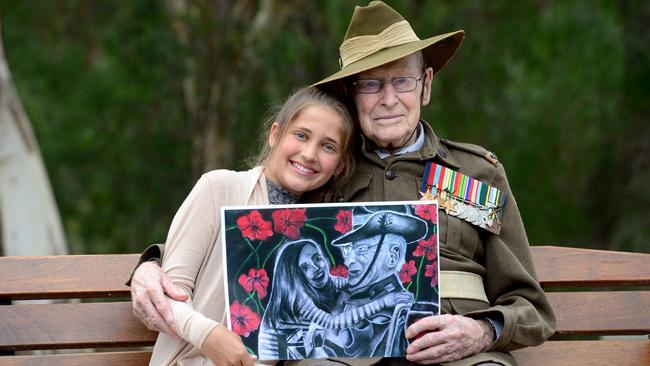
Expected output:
(463, 196)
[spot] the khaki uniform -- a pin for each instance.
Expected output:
(503, 261)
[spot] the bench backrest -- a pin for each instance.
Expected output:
(593, 292)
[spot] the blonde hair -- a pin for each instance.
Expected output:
(291, 109)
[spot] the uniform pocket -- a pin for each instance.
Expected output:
(460, 236)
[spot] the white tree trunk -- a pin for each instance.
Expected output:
(29, 218)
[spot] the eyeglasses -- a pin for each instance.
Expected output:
(402, 84)
(358, 249)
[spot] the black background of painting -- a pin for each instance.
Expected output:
(323, 216)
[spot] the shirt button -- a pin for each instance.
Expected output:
(390, 175)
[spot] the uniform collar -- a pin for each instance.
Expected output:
(437, 150)
(431, 148)
(417, 145)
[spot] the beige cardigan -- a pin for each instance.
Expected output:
(193, 260)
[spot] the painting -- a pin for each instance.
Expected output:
(330, 280)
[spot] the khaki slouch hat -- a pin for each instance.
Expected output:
(378, 34)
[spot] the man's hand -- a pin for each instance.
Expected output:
(447, 338)
(148, 288)
(224, 347)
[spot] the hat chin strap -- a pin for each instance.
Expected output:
(356, 48)
(374, 257)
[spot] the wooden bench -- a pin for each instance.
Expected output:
(594, 293)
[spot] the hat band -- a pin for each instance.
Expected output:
(356, 48)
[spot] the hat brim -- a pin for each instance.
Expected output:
(411, 228)
(437, 51)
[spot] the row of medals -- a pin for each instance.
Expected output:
(481, 216)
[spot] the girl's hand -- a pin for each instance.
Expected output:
(339, 282)
(225, 348)
(393, 298)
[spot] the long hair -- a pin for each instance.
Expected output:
(290, 286)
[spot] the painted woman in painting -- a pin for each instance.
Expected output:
(303, 296)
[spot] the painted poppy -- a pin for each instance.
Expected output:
(257, 280)
(288, 222)
(243, 319)
(407, 271)
(428, 247)
(254, 227)
(343, 221)
(340, 271)
(427, 212)
(431, 270)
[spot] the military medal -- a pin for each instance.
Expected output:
(462, 196)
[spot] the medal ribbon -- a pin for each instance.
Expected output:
(461, 188)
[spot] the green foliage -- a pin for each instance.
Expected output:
(101, 86)
(556, 89)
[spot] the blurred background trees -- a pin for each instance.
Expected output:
(131, 101)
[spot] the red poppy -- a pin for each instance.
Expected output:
(431, 270)
(254, 227)
(289, 222)
(340, 271)
(407, 271)
(428, 247)
(343, 221)
(427, 212)
(243, 319)
(256, 280)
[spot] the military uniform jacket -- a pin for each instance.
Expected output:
(503, 261)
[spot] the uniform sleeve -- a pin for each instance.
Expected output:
(346, 319)
(192, 236)
(511, 283)
(152, 252)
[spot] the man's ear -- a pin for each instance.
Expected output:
(273, 134)
(394, 254)
(426, 91)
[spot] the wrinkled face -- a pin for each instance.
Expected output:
(358, 258)
(390, 118)
(313, 266)
(310, 151)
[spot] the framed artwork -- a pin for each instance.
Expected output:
(330, 280)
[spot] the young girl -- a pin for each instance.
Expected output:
(308, 144)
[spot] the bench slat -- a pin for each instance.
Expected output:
(575, 267)
(601, 313)
(48, 326)
(67, 276)
(134, 358)
(104, 275)
(592, 353)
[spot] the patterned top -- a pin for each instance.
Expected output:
(279, 195)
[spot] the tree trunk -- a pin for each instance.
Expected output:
(29, 218)
(217, 37)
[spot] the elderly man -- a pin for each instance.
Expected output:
(492, 302)
(374, 253)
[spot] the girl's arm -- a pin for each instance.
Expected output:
(191, 239)
(311, 312)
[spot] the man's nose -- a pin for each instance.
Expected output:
(389, 95)
(350, 258)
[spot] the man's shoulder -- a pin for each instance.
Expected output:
(460, 149)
